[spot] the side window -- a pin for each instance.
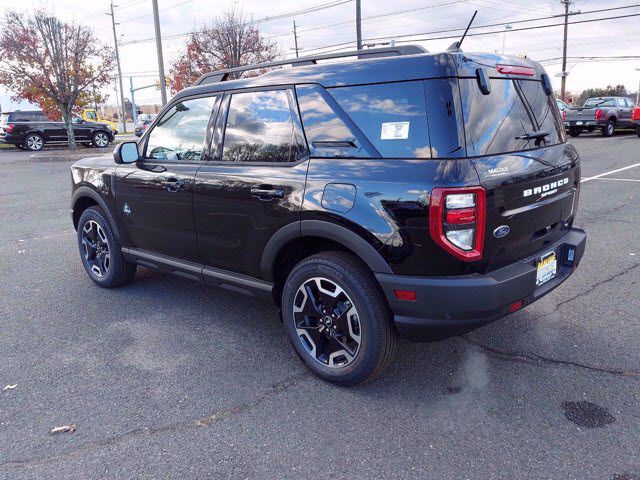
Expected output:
(630, 103)
(391, 115)
(445, 118)
(327, 134)
(259, 128)
(180, 133)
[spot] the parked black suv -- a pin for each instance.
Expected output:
(31, 130)
(402, 193)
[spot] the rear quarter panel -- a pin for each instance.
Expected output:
(390, 208)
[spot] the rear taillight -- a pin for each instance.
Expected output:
(515, 70)
(457, 218)
(636, 114)
(9, 128)
(598, 114)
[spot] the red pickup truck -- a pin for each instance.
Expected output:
(635, 119)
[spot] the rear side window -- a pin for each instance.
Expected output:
(496, 123)
(180, 133)
(327, 134)
(392, 116)
(259, 128)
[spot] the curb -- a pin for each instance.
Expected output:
(66, 156)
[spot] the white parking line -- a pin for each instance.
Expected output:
(609, 173)
(619, 179)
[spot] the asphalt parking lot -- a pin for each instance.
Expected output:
(165, 378)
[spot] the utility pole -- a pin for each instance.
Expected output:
(295, 37)
(563, 85)
(358, 26)
(163, 84)
(123, 116)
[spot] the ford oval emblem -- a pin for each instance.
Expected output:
(501, 231)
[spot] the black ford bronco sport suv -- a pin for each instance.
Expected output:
(398, 193)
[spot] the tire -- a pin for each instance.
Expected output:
(355, 339)
(609, 128)
(574, 132)
(33, 142)
(100, 140)
(638, 131)
(100, 250)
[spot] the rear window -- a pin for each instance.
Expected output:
(392, 116)
(599, 102)
(495, 123)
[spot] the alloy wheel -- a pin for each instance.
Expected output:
(34, 142)
(327, 322)
(100, 140)
(95, 247)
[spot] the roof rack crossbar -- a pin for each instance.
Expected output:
(223, 75)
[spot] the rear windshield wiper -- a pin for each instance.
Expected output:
(533, 135)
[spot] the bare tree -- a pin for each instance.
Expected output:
(52, 63)
(230, 41)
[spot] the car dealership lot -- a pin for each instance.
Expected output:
(166, 378)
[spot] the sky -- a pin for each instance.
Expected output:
(383, 21)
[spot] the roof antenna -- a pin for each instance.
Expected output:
(455, 46)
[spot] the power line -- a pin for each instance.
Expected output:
(344, 44)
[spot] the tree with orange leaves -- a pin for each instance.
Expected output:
(230, 41)
(52, 63)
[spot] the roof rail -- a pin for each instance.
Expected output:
(223, 75)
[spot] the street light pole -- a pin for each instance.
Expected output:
(156, 22)
(123, 116)
(504, 35)
(563, 83)
(358, 26)
(295, 37)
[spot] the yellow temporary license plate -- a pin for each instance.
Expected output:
(547, 268)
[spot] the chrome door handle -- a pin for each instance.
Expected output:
(267, 193)
(172, 184)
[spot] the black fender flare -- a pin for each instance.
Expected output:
(84, 191)
(319, 228)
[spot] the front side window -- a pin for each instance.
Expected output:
(259, 128)
(180, 133)
(391, 115)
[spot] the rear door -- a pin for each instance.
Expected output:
(255, 183)
(154, 196)
(530, 174)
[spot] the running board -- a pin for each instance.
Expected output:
(211, 276)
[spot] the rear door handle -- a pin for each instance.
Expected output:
(171, 184)
(266, 192)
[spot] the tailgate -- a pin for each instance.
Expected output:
(534, 194)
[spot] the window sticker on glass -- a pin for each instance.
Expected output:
(394, 131)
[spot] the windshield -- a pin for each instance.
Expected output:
(516, 116)
(92, 115)
(599, 102)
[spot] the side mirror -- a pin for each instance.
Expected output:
(546, 84)
(126, 152)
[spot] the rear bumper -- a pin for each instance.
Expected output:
(447, 306)
(11, 138)
(583, 123)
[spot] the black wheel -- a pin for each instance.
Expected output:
(100, 250)
(100, 140)
(33, 142)
(609, 128)
(638, 131)
(574, 132)
(337, 319)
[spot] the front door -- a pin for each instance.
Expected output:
(256, 182)
(154, 196)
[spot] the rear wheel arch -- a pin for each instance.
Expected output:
(295, 242)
